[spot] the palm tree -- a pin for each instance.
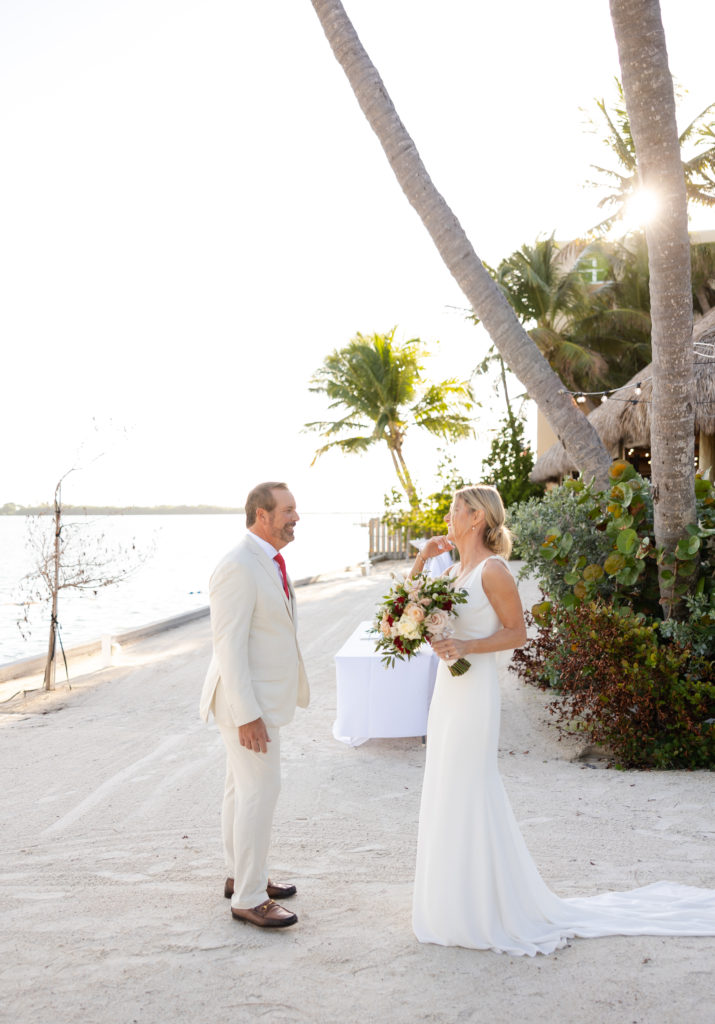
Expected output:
(489, 304)
(546, 287)
(379, 385)
(594, 328)
(698, 171)
(618, 324)
(648, 86)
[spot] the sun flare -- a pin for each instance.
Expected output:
(641, 208)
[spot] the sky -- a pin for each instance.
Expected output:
(194, 213)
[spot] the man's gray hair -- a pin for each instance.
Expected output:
(262, 497)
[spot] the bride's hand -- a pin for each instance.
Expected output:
(449, 648)
(436, 546)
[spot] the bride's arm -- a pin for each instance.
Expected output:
(433, 547)
(500, 588)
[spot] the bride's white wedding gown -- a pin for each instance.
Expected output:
(476, 884)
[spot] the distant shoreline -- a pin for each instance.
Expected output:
(110, 510)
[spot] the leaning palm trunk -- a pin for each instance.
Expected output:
(648, 89)
(516, 347)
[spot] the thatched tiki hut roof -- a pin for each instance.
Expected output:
(623, 421)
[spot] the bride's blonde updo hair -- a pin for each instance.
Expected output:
(497, 536)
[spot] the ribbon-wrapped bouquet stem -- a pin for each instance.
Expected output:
(417, 609)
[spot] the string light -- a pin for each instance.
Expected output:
(611, 394)
(581, 396)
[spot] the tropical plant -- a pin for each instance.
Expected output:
(518, 350)
(545, 288)
(509, 462)
(652, 704)
(594, 332)
(574, 514)
(623, 674)
(379, 385)
(619, 323)
(427, 517)
(583, 544)
(624, 182)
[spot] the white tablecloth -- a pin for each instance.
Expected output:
(377, 701)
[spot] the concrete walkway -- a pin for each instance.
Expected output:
(111, 883)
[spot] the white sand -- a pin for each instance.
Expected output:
(111, 882)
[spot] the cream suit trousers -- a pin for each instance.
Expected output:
(253, 782)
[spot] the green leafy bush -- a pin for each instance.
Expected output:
(582, 544)
(509, 462)
(628, 673)
(570, 512)
(651, 703)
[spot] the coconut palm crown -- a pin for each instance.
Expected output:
(622, 183)
(379, 385)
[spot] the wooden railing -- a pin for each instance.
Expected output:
(386, 542)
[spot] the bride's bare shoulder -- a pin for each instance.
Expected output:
(497, 571)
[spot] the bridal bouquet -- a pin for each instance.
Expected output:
(416, 609)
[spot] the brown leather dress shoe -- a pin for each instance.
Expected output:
(268, 915)
(274, 890)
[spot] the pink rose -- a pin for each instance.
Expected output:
(385, 625)
(437, 622)
(414, 612)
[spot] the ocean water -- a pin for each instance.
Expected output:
(173, 558)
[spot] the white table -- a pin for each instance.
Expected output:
(375, 701)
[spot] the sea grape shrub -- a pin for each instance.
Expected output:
(582, 544)
(652, 704)
(624, 670)
(573, 514)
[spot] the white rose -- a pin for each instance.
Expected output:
(408, 628)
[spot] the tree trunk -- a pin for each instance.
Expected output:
(648, 90)
(516, 347)
(403, 473)
(702, 296)
(49, 680)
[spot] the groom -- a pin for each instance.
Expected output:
(255, 679)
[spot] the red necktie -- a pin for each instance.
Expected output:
(282, 566)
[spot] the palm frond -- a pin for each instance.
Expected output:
(347, 444)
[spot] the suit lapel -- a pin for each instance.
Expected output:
(270, 568)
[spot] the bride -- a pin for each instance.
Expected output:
(476, 884)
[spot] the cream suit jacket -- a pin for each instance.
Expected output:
(255, 645)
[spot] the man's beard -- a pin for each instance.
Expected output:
(287, 534)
